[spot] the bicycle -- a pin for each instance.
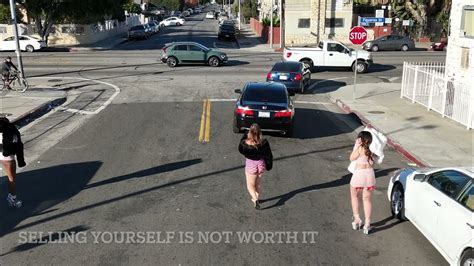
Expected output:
(16, 82)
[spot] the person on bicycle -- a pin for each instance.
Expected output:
(7, 67)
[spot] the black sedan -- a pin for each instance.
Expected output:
(226, 31)
(267, 104)
(293, 75)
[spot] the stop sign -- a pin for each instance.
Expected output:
(358, 35)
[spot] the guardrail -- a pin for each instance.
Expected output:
(428, 85)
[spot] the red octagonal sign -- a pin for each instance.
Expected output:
(358, 35)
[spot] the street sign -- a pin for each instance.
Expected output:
(358, 35)
(368, 20)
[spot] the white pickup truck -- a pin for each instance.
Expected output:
(329, 54)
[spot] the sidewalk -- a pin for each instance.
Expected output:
(248, 40)
(422, 136)
(105, 44)
(22, 108)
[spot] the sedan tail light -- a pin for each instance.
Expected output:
(269, 76)
(288, 54)
(297, 77)
(284, 113)
(244, 111)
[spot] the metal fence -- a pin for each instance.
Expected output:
(427, 84)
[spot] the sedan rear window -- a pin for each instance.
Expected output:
(263, 94)
(286, 67)
(137, 27)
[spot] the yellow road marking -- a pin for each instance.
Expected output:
(208, 122)
(203, 121)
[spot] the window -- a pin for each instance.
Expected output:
(304, 23)
(449, 182)
(335, 47)
(181, 48)
(467, 198)
(23, 38)
(9, 39)
(287, 67)
(334, 22)
(194, 48)
(262, 94)
(468, 21)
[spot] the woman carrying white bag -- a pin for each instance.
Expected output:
(368, 144)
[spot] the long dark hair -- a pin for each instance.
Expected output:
(255, 135)
(3, 123)
(365, 141)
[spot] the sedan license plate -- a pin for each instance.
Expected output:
(283, 77)
(264, 114)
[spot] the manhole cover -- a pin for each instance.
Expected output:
(55, 80)
(5, 114)
(376, 112)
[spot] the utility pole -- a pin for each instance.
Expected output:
(280, 4)
(240, 17)
(17, 41)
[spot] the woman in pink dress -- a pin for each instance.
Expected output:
(363, 180)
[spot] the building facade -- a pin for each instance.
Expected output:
(460, 54)
(306, 22)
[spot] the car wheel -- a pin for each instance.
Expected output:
(178, 24)
(467, 257)
(397, 202)
(361, 67)
(214, 61)
(308, 63)
(404, 48)
(445, 48)
(171, 62)
(375, 48)
(289, 132)
(29, 48)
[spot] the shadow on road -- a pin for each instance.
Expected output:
(319, 86)
(344, 180)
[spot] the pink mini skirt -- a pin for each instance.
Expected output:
(254, 167)
(363, 178)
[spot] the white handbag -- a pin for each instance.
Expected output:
(352, 166)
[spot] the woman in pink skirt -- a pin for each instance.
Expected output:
(363, 180)
(257, 151)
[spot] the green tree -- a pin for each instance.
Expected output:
(132, 8)
(45, 13)
(5, 14)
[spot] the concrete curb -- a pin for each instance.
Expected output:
(390, 141)
(37, 112)
(82, 49)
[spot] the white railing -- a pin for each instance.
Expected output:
(427, 84)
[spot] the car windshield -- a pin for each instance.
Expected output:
(263, 94)
(286, 67)
(227, 27)
(137, 27)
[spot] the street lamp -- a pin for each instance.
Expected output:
(17, 42)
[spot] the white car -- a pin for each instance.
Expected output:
(440, 203)
(330, 54)
(210, 15)
(27, 43)
(172, 21)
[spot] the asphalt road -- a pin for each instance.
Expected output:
(138, 166)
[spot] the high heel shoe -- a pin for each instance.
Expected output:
(367, 229)
(357, 226)
(256, 204)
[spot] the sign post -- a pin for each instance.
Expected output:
(357, 35)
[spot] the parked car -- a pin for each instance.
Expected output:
(197, 10)
(265, 103)
(137, 32)
(177, 53)
(439, 46)
(27, 43)
(172, 21)
(329, 54)
(176, 13)
(210, 15)
(293, 75)
(153, 27)
(440, 203)
(190, 10)
(390, 42)
(226, 31)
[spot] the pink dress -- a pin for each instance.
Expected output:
(363, 178)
